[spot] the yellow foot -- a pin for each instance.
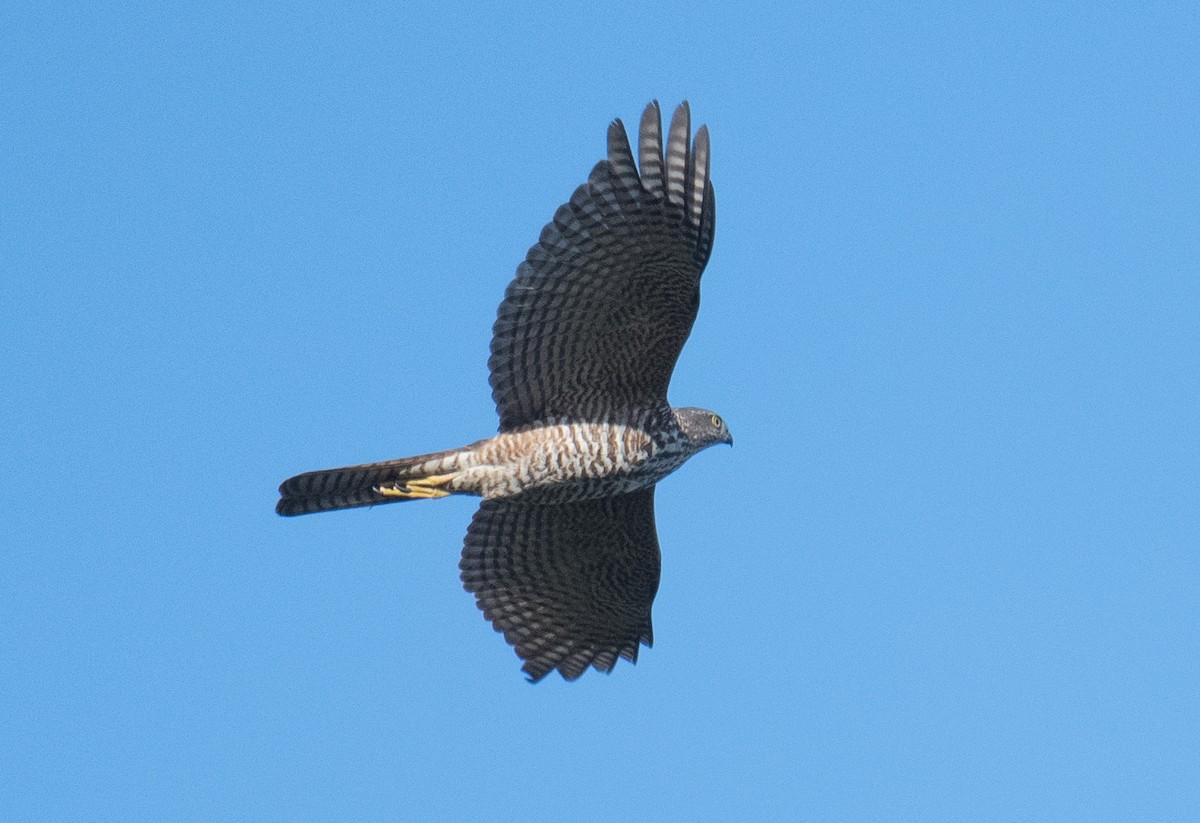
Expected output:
(427, 488)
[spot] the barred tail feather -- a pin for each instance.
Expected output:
(352, 486)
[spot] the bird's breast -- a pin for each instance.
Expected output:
(563, 461)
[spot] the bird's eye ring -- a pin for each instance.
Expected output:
(716, 421)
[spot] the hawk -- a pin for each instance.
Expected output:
(562, 555)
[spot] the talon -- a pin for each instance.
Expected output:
(426, 488)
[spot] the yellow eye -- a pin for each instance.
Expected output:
(716, 421)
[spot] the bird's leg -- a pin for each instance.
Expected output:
(426, 488)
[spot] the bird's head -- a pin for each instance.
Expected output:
(702, 427)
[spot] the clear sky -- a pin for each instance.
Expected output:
(949, 571)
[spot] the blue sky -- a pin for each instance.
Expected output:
(948, 572)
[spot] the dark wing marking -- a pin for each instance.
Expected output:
(569, 585)
(601, 307)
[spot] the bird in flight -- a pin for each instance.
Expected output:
(562, 555)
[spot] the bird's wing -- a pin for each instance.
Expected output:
(600, 308)
(569, 585)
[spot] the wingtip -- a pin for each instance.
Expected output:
(650, 149)
(620, 155)
(678, 155)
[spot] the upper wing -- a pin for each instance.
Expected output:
(570, 585)
(600, 308)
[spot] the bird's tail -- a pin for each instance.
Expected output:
(409, 478)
